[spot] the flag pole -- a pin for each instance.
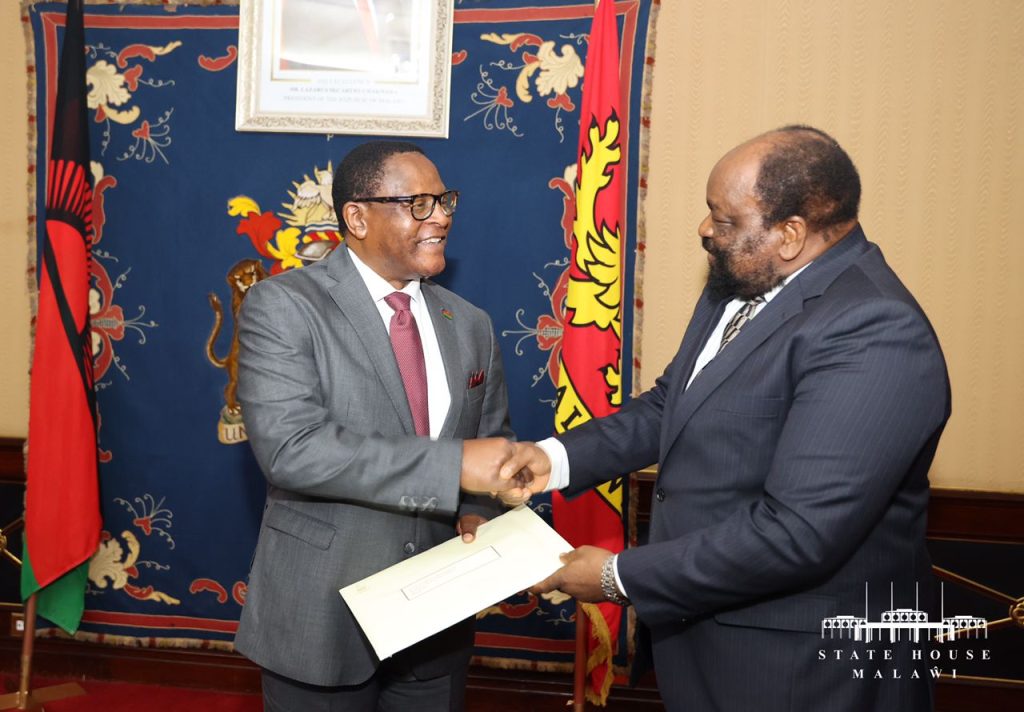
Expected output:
(28, 636)
(24, 698)
(579, 669)
(591, 355)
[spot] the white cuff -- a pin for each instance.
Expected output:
(559, 463)
(618, 581)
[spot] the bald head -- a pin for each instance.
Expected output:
(804, 172)
(776, 202)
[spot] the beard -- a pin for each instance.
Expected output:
(724, 279)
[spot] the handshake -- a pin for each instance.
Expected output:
(513, 471)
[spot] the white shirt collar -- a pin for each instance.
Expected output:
(771, 293)
(380, 287)
(712, 345)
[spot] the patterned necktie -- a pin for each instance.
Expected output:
(405, 340)
(739, 320)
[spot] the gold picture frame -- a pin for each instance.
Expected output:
(379, 67)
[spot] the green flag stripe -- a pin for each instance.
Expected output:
(63, 601)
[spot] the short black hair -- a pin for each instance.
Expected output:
(807, 173)
(360, 172)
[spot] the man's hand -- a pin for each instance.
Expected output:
(467, 525)
(482, 462)
(580, 577)
(531, 466)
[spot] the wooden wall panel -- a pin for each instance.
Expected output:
(965, 516)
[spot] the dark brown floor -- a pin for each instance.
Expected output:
(508, 691)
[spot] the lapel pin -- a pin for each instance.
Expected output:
(446, 314)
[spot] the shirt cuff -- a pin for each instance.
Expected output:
(559, 458)
(618, 581)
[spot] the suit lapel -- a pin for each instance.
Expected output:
(353, 299)
(705, 317)
(773, 315)
(788, 303)
(448, 341)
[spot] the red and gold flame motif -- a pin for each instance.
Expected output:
(590, 367)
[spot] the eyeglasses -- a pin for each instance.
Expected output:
(422, 205)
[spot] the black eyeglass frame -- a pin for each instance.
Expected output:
(410, 200)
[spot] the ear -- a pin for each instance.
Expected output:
(794, 237)
(355, 220)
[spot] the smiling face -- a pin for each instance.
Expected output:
(387, 237)
(741, 251)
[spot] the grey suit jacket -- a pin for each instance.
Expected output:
(351, 488)
(792, 472)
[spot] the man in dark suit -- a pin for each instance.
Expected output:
(363, 386)
(794, 430)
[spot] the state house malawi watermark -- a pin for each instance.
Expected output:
(913, 660)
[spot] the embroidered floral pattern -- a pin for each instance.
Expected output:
(114, 79)
(549, 70)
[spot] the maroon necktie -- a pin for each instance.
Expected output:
(405, 340)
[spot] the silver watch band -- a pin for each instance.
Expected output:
(608, 587)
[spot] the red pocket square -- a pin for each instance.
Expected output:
(476, 378)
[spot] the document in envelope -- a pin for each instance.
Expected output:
(418, 597)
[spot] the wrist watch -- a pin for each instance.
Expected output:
(608, 587)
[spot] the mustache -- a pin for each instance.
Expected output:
(718, 253)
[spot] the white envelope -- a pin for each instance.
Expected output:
(418, 597)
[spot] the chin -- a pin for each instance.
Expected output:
(433, 269)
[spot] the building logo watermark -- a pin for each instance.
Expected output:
(912, 625)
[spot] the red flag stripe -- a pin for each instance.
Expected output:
(592, 343)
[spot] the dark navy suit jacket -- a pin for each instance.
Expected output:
(793, 472)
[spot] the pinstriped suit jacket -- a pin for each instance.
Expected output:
(792, 472)
(351, 490)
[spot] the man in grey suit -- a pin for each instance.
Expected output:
(794, 430)
(365, 387)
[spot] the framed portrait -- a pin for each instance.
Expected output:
(344, 66)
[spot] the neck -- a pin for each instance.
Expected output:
(834, 233)
(818, 243)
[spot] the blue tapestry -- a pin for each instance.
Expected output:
(188, 210)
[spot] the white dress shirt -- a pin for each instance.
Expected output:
(556, 451)
(714, 341)
(439, 398)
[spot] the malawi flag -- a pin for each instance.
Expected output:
(590, 381)
(62, 514)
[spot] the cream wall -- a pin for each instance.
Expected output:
(926, 95)
(14, 310)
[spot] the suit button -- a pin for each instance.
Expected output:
(659, 494)
(409, 547)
